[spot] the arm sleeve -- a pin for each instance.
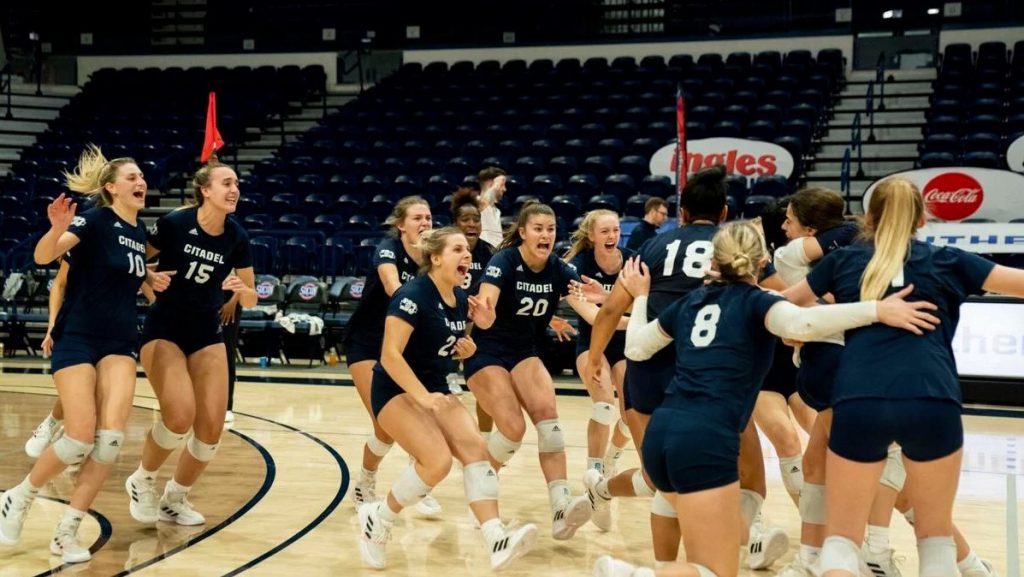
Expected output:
(791, 262)
(973, 270)
(404, 306)
(387, 253)
(497, 270)
(644, 339)
(789, 321)
(82, 225)
(568, 273)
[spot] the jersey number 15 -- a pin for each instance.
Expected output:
(199, 272)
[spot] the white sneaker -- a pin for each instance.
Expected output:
(515, 544)
(429, 507)
(41, 439)
(453, 384)
(14, 508)
(142, 503)
(987, 572)
(176, 508)
(229, 417)
(374, 534)
(65, 543)
(882, 564)
(365, 491)
(602, 514)
(608, 566)
(766, 545)
(571, 516)
(796, 568)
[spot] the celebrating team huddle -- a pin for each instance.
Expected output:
(683, 346)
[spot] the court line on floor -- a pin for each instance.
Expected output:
(105, 531)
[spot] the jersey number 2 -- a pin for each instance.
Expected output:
(705, 326)
(696, 261)
(200, 272)
(446, 350)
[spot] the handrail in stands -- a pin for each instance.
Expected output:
(869, 106)
(844, 179)
(6, 79)
(880, 80)
(857, 143)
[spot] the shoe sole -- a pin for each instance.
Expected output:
(522, 547)
(70, 558)
(132, 507)
(178, 521)
(574, 519)
(32, 454)
(602, 519)
(775, 547)
(364, 551)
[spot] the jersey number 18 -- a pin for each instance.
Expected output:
(696, 261)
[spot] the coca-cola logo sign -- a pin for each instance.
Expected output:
(1015, 155)
(748, 158)
(952, 196)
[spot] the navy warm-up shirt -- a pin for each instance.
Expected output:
(886, 362)
(585, 264)
(678, 261)
(481, 254)
(436, 327)
(107, 267)
(722, 349)
(367, 322)
(528, 299)
(201, 261)
(837, 237)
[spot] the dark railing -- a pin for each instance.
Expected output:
(869, 107)
(358, 65)
(857, 144)
(844, 179)
(880, 80)
(6, 79)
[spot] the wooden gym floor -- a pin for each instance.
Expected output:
(277, 500)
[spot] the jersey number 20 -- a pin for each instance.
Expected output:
(530, 308)
(696, 261)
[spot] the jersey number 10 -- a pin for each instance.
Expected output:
(136, 265)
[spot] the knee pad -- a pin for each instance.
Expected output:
(812, 504)
(200, 450)
(937, 557)
(750, 505)
(501, 448)
(704, 571)
(894, 474)
(480, 481)
(549, 437)
(71, 451)
(792, 474)
(107, 445)
(839, 553)
(409, 489)
(640, 486)
(604, 413)
(167, 439)
(377, 447)
(909, 516)
(624, 429)
(661, 507)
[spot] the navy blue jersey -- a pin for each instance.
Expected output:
(837, 237)
(640, 234)
(723, 350)
(885, 362)
(678, 261)
(436, 327)
(481, 254)
(528, 299)
(201, 261)
(585, 264)
(107, 267)
(367, 322)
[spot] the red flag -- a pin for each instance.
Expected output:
(680, 160)
(213, 140)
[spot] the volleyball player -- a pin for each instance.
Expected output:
(424, 330)
(724, 337)
(46, 432)
(183, 350)
(95, 336)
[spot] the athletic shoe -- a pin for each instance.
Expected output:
(766, 545)
(365, 491)
(882, 564)
(41, 438)
(516, 543)
(572, 515)
(65, 543)
(176, 508)
(608, 566)
(428, 507)
(143, 498)
(374, 535)
(14, 506)
(602, 514)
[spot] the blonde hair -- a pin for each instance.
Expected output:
(432, 243)
(202, 178)
(739, 251)
(93, 173)
(581, 238)
(398, 214)
(895, 209)
(512, 237)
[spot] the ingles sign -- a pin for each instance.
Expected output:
(748, 158)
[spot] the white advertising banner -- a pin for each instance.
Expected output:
(980, 237)
(989, 340)
(955, 193)
(1015, 155)
(748, 158)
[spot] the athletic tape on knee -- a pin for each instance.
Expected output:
(839, 553)
(71, 451)
(376, 446)
(549, 437)
(107, 445)
(750, 505)
(812, 504)
(937, 557)
(792, 474)
(640, 486)
(909, 516)
(501, 448)
(894, 474)
(661, 507)
(409, 489)
(604, 413)
(704, 571)
(624, 429)
(200, 450)
(167, 439)
(480, 482)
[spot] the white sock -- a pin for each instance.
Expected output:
(365, 475)
(750, 505)
(613, 453)
(147, 475)
(809, 554)
(595, 463)
(643, 572)
(486, 435)
(602, 489)
(174, 487)
(878, 539)
(493, 530)
(558, 493)
(971, 561)
(72, 519)
(27, 488)
(385, 512)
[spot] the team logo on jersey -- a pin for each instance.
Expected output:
(194, 232)
(78, 221)
(519, 268)
(308, 291)
(408, 306)
(572, 266)
(117, 225)
(493, 271)
(355, 290)
(265, 289)
(386, 253)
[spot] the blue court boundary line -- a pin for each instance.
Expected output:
(339, 495)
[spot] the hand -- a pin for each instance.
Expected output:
(227, 313)
(589, 290)
(60, 212)
(47, 345)
(592, 371)
(158, 280)
(563, 330)
(233, 283)
(898, 313)
(635, 277)
(464, 348)
(481, 311)
(432, 402)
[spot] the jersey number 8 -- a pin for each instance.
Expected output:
(705, 325)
